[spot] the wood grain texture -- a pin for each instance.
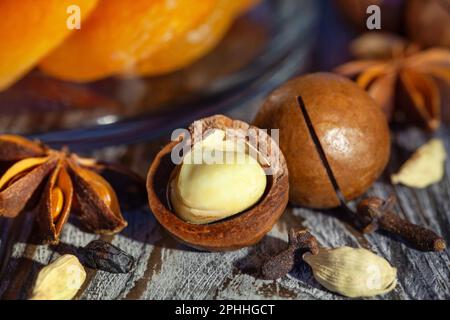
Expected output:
(166, 269)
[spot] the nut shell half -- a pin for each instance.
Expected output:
(241, 230)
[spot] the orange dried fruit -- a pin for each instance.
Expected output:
(120, 33)
(242, 6)
(196, 42)
(30, 29)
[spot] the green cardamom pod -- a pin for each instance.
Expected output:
(352, 272)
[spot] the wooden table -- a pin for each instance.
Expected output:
(166, 269)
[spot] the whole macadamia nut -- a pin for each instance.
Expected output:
(350, 126)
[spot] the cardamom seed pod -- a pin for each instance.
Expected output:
(60, 280)
(352, 272)
(425, 167)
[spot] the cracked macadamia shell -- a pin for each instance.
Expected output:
(240, 230)
(351, 128)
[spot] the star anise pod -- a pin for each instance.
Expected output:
(400, 76)
(63, 183)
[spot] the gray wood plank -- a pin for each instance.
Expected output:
(166, 269)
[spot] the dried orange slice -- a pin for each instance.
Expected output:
(184, 50)
(29, 29)
(119, 33)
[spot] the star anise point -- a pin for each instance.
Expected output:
(69, 183)
(400, 77)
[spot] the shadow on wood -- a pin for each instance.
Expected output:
(18, 283)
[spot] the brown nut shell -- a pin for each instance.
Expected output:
(350, 126)
(241, 230)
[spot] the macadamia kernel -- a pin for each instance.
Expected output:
(227, 181)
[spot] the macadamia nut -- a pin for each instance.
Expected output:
(226, 182)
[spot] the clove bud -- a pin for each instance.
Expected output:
(300, 241)
(377, 213)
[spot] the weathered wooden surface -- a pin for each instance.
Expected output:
(168, 270)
